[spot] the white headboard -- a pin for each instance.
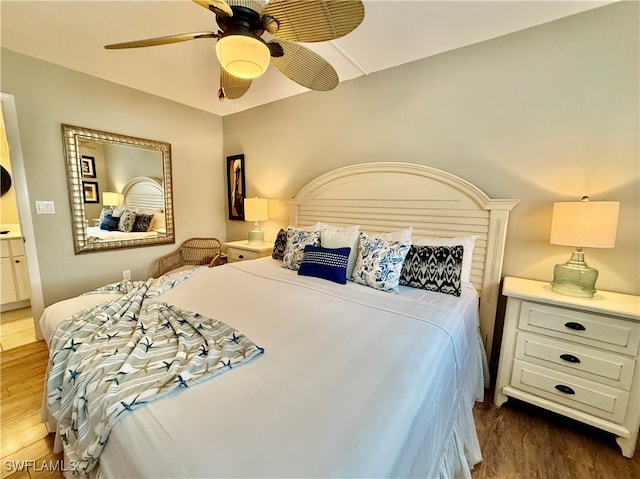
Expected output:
(144, 192)
(390, 196)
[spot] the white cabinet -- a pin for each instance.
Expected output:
(242, 250)
(574, 356)
(14, 275)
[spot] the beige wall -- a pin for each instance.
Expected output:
(547, 114)
(46, 96)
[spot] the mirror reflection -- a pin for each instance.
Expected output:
(119, 190)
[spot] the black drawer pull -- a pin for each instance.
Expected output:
(575, 326)
(564, 389)
(241, 256)
(570, 358)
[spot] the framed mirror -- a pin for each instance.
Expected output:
(120, 190)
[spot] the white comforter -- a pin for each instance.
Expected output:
(94, 233)
(353, 383)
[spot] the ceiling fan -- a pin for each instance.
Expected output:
(245, 55)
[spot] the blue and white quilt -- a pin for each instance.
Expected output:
(112, 359)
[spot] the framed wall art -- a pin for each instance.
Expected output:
(235, 186)
(90, 193)
(88, 164)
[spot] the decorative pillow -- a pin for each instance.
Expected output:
(379, 262)
(109, 223)
(105, 212)
(279, 245)
(127, 219)
(296, 241)
(468, 243)
(342, 239)
(434, 268)
(142, 222)
(325, 263)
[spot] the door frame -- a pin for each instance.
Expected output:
(10, 115)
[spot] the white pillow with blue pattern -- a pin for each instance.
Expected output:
(379, 262)
(296, 241)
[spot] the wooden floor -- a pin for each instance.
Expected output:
(23, 437)
(518, 441)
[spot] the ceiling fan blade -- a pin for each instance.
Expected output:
(315, 21)
(305, 67)
(150, 42)
(216, 6)
(232, 87)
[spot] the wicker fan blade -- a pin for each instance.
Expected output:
(315, 21)
(150, 42)
(232, 87)
(305, 67)
(216, 6)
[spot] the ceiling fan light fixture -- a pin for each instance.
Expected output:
(243, 56)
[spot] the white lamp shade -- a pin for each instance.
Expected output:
(110, 198)
(243, 56)
(256, 209)
(590, 224)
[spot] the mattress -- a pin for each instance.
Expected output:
(354, 382)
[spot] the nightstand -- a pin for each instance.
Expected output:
(242, 250)
(575, 356)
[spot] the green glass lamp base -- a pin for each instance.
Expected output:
(256, 235)
(575, 277)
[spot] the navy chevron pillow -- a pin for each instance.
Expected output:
(325, 263)
(434, 268)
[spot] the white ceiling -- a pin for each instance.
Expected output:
(72, 34)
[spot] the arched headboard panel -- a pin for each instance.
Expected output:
(144, 192)
(388, 196)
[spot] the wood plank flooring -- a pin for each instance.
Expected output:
(518, 441)
(23, 437)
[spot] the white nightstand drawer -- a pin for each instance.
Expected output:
(593, 364)
(596, 399)
(592, 329)
(241, 255)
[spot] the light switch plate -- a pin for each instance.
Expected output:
(45, 208)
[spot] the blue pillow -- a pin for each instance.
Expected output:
(325, 263)
(110, 223)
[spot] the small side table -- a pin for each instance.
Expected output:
(242, 250)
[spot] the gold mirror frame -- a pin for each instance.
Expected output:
(72, 136)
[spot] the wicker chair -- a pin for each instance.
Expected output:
(193, 252)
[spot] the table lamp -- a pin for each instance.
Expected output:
(112, 199)
(590, 224)
(256, 209)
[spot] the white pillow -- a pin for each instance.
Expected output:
(159, 222)
(379, 262)
(342, 239)
(467, 242)
(402, 235)
(329, 227)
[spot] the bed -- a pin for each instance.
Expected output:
(142, 195)
(350, 381)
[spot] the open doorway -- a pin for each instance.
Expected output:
(19, 254)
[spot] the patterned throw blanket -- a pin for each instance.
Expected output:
(107, 361)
